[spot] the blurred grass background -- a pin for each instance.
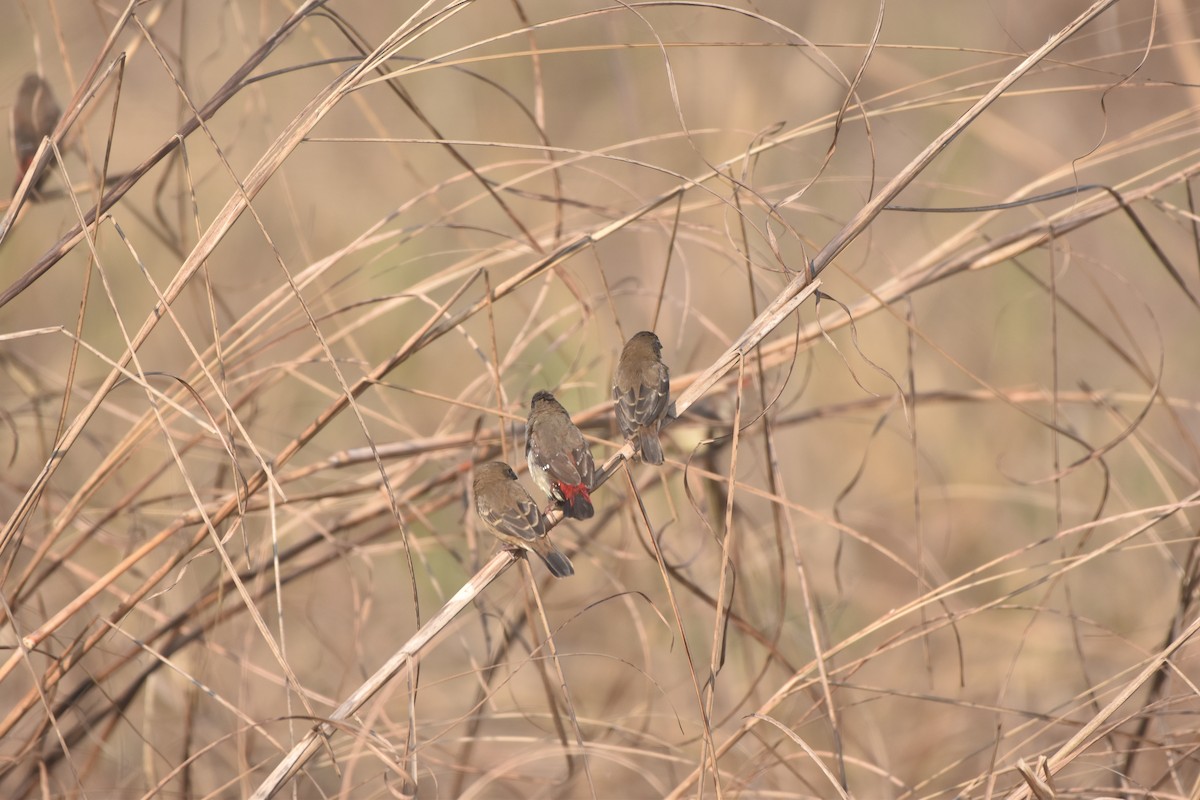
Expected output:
(958, 530)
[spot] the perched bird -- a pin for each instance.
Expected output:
(641, 389)
(34, 115)
(559, 459)
(514, 517)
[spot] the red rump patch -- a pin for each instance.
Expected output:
(576, 500)
(570, 492)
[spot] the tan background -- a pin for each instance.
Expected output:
(879, 504)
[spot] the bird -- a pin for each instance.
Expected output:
(33, 117)
(505, 507)
(641, 389)
(559, 459)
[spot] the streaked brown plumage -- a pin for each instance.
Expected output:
(641, 391)
(34, 115)
(513, 516)
(559, 459)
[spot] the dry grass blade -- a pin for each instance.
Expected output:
(1087, 733)
(403, 658)
(852, 229)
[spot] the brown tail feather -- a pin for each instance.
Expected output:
(650, 447)
(558, 564)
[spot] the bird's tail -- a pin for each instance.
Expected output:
(558, 564)
(577, 504)
(650, 447)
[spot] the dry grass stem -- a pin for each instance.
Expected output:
(279, 276)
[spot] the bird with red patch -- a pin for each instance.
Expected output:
(641, 389)
(34, 115)
(559, 459)
(514, 518)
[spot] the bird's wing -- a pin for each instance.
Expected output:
(626, 410)
(652, 402)
(520, 518)
(563, 469)
(585, 465)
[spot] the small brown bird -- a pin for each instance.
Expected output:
(559, 459)
(641, 389)
(34, 115)
(514, 517)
